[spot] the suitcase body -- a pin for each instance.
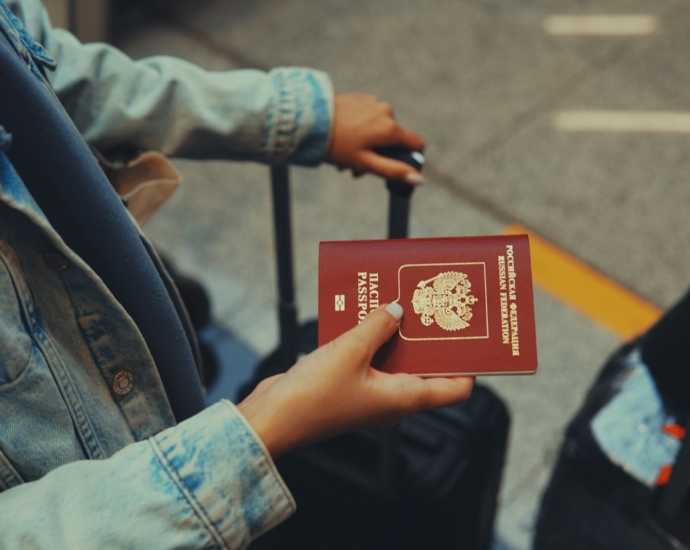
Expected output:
(442, 494)
(431, 482)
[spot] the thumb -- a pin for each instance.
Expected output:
(377, 327)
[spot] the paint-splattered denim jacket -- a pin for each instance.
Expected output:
(87, 459)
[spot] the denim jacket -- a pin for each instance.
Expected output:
(166, 104)
(90, 455)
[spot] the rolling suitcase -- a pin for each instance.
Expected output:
(430, 482)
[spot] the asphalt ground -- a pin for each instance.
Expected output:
(504, 96)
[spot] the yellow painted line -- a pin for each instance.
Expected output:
(581, 287)
(658, 122)
(600, 25)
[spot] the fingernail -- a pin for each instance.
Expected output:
(414, 178)
(396, 310)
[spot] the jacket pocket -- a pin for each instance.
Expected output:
(37, 432)
(16, 345)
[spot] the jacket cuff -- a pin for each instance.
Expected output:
(224, 471)
(303, 115)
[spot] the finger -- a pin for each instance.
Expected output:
(389, 168)
(377, 327)
(409, 140)
(362, 96)
(386, 109)
(442, 392)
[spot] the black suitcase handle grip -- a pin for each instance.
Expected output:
(413, 158)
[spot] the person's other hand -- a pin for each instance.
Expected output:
(335, 390)
(361, 123)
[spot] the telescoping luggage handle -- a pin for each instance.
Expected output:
(398, 220)
(398, 216)
(287, 310)
(400, 193)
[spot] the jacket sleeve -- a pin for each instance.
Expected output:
(167, 104)
(206, 483)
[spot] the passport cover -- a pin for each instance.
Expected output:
(469, 308)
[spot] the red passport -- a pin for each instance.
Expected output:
(469, 308)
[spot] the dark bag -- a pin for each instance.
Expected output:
(431, 482)
(445, 468)
(592, 503)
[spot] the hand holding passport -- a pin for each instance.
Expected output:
(335, 390)
(469, 308)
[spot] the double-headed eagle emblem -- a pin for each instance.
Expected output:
(448, 302)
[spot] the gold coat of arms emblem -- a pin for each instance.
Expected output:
(448, 301)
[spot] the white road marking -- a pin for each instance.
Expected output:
(660, 122)
(600, 25)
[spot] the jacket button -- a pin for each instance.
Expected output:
(123, 382)
(56, 261)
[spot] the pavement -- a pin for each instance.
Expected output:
(481, 81)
